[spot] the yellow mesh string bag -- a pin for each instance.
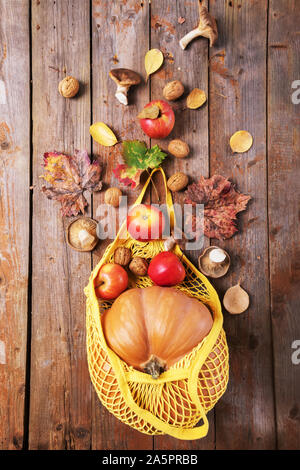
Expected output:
(177, 402)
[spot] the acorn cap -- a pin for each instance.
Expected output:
(125, 77)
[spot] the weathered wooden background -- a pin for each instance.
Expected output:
(46, 398)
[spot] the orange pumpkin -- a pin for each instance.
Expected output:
(153, 328)
(179, 410)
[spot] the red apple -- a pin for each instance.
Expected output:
(145, 223)
(160, 127)
(110, 281)
(165, 269)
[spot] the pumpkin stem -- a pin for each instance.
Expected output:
(154, 367)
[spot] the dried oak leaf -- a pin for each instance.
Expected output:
(221, 204)
(68, 177)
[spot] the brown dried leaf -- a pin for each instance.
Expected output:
(68, 177)
(150, 112)
(221, 204)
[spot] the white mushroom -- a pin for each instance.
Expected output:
(207, 27)
(216, 255)
(214, 262)
(124, 78)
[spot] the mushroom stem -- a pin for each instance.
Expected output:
(189, 37)
(207, 28)
(121, 94)
(124, 79)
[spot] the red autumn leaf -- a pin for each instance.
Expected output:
(68, 177)
(129, 176)
(221, 204)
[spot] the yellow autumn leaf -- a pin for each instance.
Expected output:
(241, 141)
(102, 134)
(196, 98)
(153, 61)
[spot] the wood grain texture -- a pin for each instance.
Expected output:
(119, 39)
(238, 101)
(248, 79)
(14, 216)
(191, 68)
(284, 193)
(60, 397)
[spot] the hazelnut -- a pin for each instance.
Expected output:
(112, 196)
(122, 256)
(173, 90)
(177, 181)
(138, 266)
(68, 87)
(178, 148)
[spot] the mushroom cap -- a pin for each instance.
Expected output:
(82, 224)
(125, 77)
(211, 269)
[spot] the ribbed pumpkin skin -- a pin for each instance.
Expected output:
(155, 321)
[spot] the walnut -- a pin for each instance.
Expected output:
(178, 148)
(173, 90)
(112, 196)
(177, 181)
(139, 266)
(122, 256)
(68, 87)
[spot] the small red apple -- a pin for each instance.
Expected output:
(145, 223)
(110, 281)
(165, 269)
(160, 127)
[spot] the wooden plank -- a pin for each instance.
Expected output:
(119, 39)
(60, 398)
(283, 183)
(245, 415)
(191, 68)
(14, 216)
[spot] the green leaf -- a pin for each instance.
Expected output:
(137, 155)
(154, 157)
(134, 153)
(137, 158)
